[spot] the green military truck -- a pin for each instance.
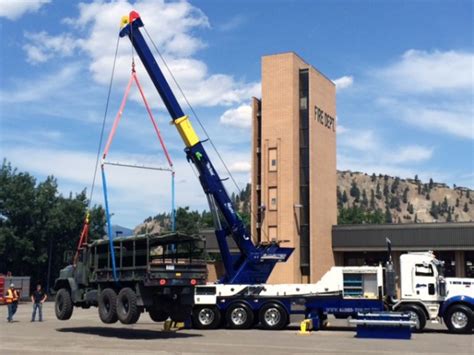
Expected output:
(154, 273)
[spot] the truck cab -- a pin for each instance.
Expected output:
(427, 295)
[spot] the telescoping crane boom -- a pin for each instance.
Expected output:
(255, 262)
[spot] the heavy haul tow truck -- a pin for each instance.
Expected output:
(242, 299)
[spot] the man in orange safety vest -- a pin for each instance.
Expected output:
(12, 301)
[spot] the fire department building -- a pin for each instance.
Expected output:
(294, 185)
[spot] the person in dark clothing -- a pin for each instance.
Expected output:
(38, 298)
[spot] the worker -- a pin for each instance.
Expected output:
(12, 302)
(38, 298)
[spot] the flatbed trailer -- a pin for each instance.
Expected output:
(155, 273)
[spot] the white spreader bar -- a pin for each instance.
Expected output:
(136, 166)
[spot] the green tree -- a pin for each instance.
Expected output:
(466, 208)
(405, 195)
(457, 202)
(372, 199)
(434, 210)
(365, 200)
(354, 191)
(344, 197)
(388, 215)
(385, 190)
(378, 192)
(410, 208)
(373, 177)
(431, 184)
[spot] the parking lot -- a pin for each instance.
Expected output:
(85, 334)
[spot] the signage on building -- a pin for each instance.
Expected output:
(324, 119)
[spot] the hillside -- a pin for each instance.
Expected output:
(362, 198)
(406, 200)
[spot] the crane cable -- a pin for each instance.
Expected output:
(99, 148)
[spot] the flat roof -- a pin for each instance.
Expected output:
(413, 236)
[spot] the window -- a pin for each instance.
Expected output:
(272, 199)
(273, 232)
(469, 263)
(423, 270)
(272, 159)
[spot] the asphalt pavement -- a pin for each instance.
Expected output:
(85, 334)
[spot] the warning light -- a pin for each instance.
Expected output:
(162, 282)
(193, 282)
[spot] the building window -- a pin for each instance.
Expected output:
(449, 262)
(273, 233)
(272, 159)
(272, 199)
(469, 263)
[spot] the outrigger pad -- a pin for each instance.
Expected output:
(383, 325)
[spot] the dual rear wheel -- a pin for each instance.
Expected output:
(122, 307)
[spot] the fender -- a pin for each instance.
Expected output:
(456, 299)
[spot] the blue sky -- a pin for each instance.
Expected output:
(403, 69)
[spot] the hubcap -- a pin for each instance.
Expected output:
(206, 316)
(272, 316)
(414, 317)
(459, 320)
(238, 316)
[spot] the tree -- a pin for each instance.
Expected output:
(354, 191)
(405, 195)
(365, 200)
(385, 190)
(388, 215)
(339, 198)
(373, 177)
(428, 196)
(395, 185)
(431, 184)
(434, 210)
(372, 199)
(450, 217)
(344, 197)
(378, 193)
(38, 225)
(457, 202)
(410, 208)
(466, 208)
(416, 178)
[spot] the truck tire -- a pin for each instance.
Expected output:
(127, 308)
(158, 315)
(273, 316)
(206, 317)
(108, 306)
(459, 319)
(63, 306)
(239, 316)
(416, 314)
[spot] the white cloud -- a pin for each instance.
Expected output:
(421, 71)
(172, 26)
(40, 46)
(240, 117)
(14, 9)
(343, 82)
(40, 88)
(412, 153)
(360, 149)
(240, 167)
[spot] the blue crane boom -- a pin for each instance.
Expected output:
(255, 263)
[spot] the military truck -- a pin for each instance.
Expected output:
(154, 273)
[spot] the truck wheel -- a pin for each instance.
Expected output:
(158, 315)
(459, 319)
(127, 309)
(108, 306)
(206, 317)
(273, 316)
(239, 316)
(416, 314)
(63, 305)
